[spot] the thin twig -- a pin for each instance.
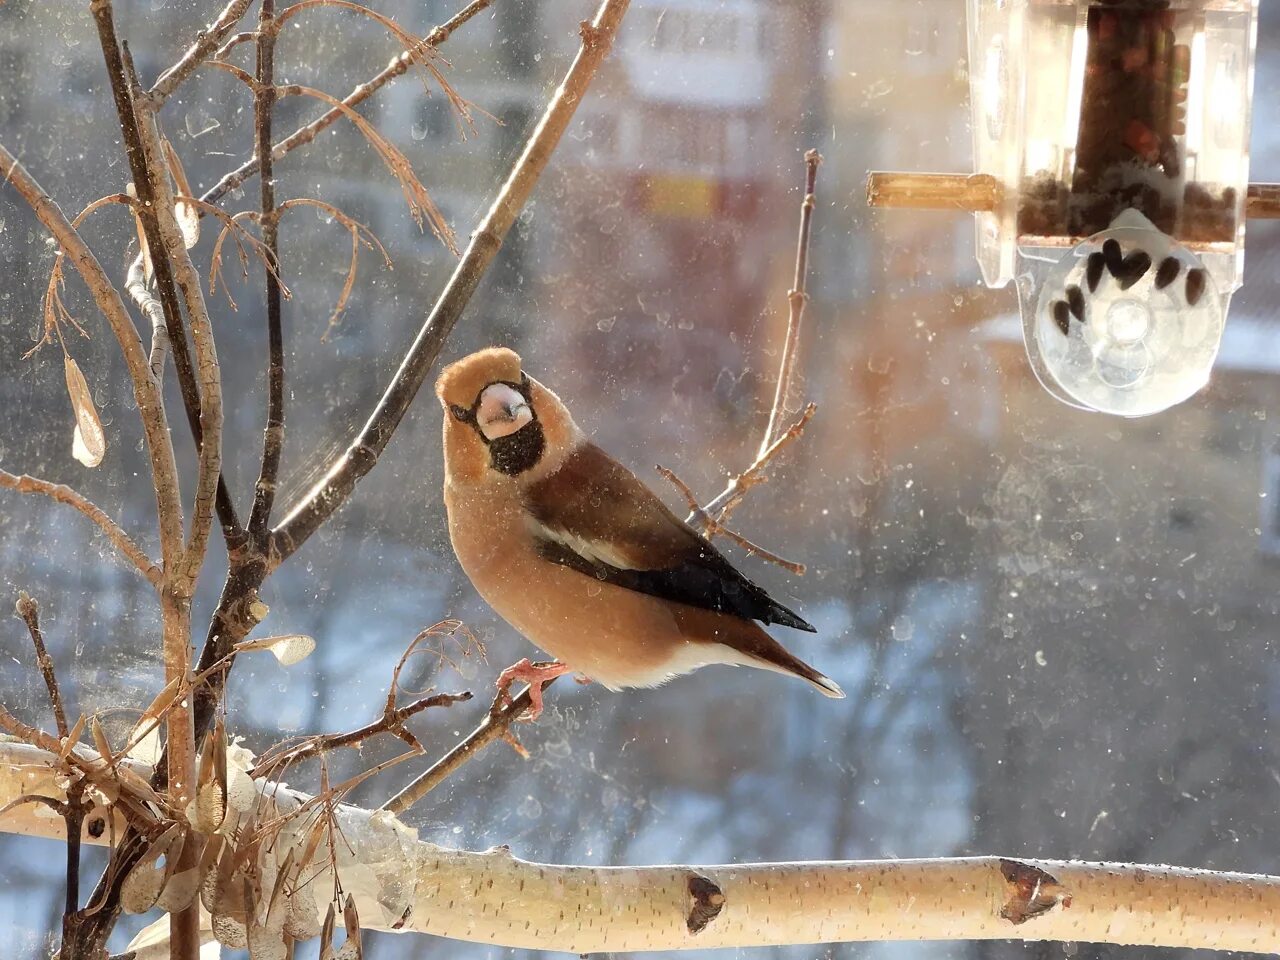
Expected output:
(728, 499)
(360, 456)
(64, 494)
(273, 434)
(207, 41)
(716, 513)
(360, 234)
(29, 610)
(495, 726)
(712, 527)
(390, 722)
(797, 297)
(305, 134)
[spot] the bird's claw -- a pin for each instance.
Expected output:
(534, 674)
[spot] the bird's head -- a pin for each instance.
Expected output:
(499, 421)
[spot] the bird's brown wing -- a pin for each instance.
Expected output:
(595, 516)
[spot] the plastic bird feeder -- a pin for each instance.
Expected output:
(1111, 141)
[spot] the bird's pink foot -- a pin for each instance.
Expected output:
(535, 675)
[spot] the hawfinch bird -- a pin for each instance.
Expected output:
(572, 550)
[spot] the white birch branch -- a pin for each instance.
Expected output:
(405, 884)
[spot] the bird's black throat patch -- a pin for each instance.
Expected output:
(519, 451)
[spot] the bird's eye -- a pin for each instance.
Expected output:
(461, 414)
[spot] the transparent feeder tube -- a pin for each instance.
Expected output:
(1118, 133)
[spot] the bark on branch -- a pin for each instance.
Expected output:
(404, 884)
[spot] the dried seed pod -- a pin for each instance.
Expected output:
(88, 442)
(288, 649)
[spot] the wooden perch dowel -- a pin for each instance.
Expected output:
(981, 193)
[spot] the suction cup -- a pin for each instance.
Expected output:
(1128, 323)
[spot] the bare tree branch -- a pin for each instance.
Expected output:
(304, 135)
(495, 726)
(797, 297)
(29, 610)
(64, 494)
(391, 721)
(208, 40)
(273, 434)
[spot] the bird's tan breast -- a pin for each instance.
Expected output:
(613, 635)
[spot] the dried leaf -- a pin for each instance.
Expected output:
(209, 860)
(283, 879)
(73, 737)
(186, 213)
(100, 741)
(220, 891)
(326, 934)
(144, 739)
(210, 804)
(89, 443)
(266, 941)
(289, 649)
(230, 932)
(352, 949)
(180, 892)
(141, 888)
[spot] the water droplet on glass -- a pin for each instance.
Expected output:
(605, 324)
(902, 629)
(1040, 658)
(530, 807)
(418, 131)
